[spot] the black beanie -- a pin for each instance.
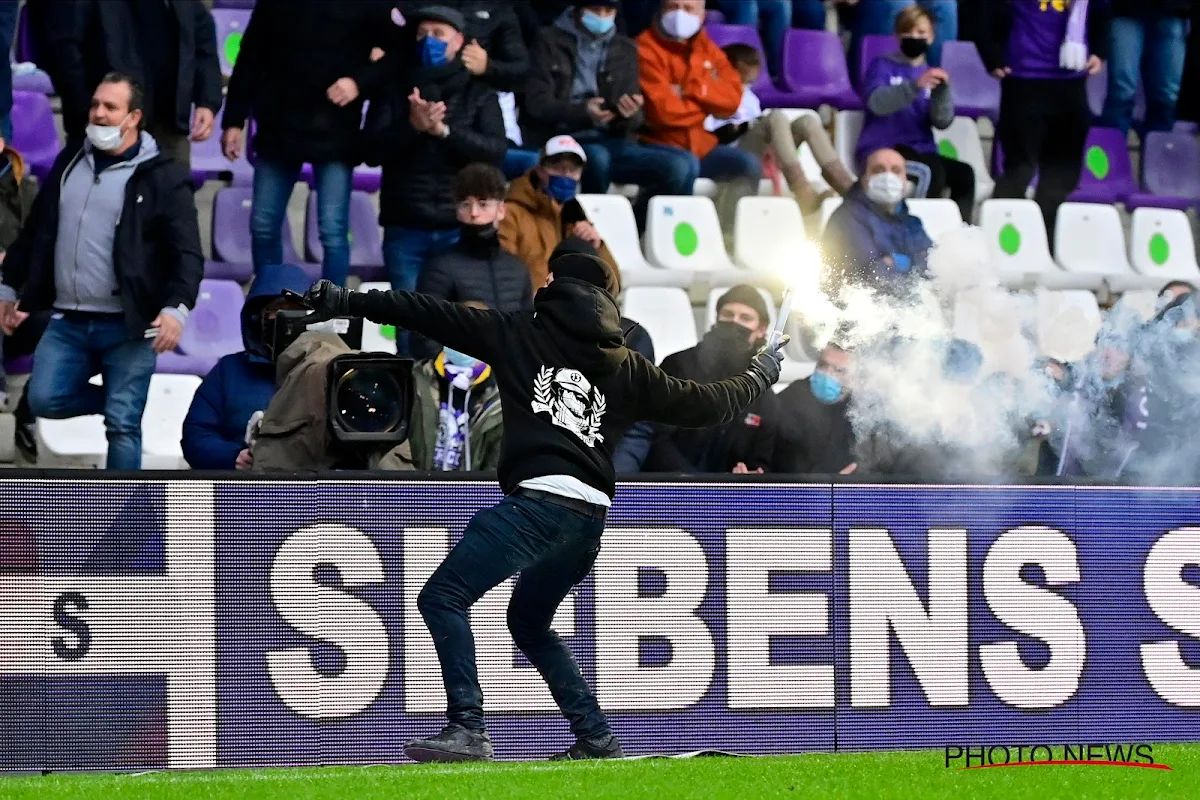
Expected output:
(747, 296)
(575, 258)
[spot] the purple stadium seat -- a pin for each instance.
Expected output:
(214, 328)
(179, 364)
(231, 227)
(37, 82)
(976, 93)
(34, 133)
(21, 365)
(769, 94)
(815, 71)
(209, 163)
(873, 46)
(1107, 175)
(363, 179)
(234, 3)
(231, 24)
(714, 16)
(366, 239)
(1171, 172)
(227, 271)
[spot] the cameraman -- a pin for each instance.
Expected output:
(214, 431)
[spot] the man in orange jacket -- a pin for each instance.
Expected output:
(685, 78)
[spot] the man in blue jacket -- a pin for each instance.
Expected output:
(214, 432)
(872, 239)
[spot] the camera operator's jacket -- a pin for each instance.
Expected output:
(569, 387)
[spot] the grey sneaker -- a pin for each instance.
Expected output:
(454, 743)
(585, 749)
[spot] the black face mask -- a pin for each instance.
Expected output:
(480, 236)
(912, 47)
(728, 348)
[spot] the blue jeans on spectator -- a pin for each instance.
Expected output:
(78, 345)
(1151, 49)
(551, 548)
(273, 184)
(878, 17)
(775, 16)
(406, 251)
(8, 29)
(727, 163)
(655, 168)
(809, 14)
(517, 162)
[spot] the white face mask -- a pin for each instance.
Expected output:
(886, 188)
(680, 24)
(105, 137)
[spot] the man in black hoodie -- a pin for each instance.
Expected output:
(569, 387)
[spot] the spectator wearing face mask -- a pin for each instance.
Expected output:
(541, 209)
(746, 445)
(430, 117)
(686, 79)
(815, 434)
(872, 239)
(1170, 292)
(906, 99)
(477, 268)
(241, 384)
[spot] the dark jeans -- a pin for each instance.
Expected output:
(273, 185)
(552, 548)
(947, 173)
(1152, 50)
(1043, 127)
(775, 16)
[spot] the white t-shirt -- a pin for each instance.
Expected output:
(749, 110)
(567, 486)
(508, 109)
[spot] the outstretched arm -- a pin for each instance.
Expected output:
(476, 332)
(687, 404)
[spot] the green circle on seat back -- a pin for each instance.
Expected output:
(388, 332)
(1097, 162)
(233, 46)
(350, 237)
(946, 148)
(687, 241)
(1160, 249)
(1010, 239)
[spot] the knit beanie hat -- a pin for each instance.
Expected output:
(747, 296)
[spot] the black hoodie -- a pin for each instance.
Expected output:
(568, 385)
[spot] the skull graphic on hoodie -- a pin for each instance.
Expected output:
(571, 401)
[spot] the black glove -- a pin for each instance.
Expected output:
(328, 300)
(767, 363)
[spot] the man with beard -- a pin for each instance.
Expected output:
(747, 444)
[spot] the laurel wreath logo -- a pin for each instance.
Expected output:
(542, 398)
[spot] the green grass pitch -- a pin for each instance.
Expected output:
(912, 775)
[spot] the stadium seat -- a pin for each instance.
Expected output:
(1066, 323)
(938, 215)
(209, 163)
(815, 71)
(975, 91)
(1161, 245)
(231, 26)
(770, 94)
(214, 327)
(1016, 236)
(828, 206)
(362, 179)
(683, 233)
(1142, 301)
(377, 338)
(766, 232)
(1089, 238)
(227, 271)
(705, 187)
(998, 322)
(613, 217)
(176, 363)
(1107, 175)
(847, 127)
(873, 46)
(32, 80)
(231, 227)
(34, 134)
(1171, 172)
(366, 237)
(665, 313)
(961, 141)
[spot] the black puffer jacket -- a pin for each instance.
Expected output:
(419, 169)
(548, 110)
(1140, 8)
(292, 52)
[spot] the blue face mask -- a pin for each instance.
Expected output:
(596, 24)
(457, 359)
(562, 188)
(826, 388)
(433, 51)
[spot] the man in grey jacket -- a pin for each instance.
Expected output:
(112, 247)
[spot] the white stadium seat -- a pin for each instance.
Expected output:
(828, 206)
(961, 141)
(1161, 245)
(684, 233)
(1141, 301)
(938, 216)
(1000, 323)
(847, 127)
(1067, 323)
(373, 339)
(665, 313)
(766, 232)
(612, 215)
(704, 187)
(1016, 237)
(1090, 239)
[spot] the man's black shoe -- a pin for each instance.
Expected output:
(25, 440)
(585, 749)
(454, 743)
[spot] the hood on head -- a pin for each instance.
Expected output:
(585, 320)
(268, 285)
